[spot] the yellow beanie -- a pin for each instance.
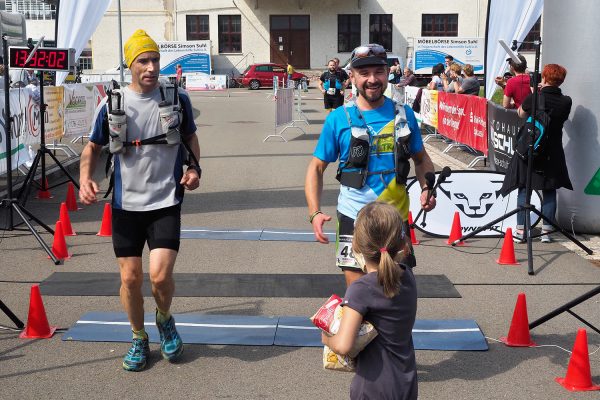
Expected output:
(137, 44)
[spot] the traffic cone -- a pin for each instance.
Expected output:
(106, 226)
(71, 199)
(59, 246)
(44, 194)
(65, 220)
(413, 237)
(518, 334)
(456, 232)
(37, 322)
(579, 377)
(507, 254)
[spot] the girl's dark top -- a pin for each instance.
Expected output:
(549, 172)
(386, 368)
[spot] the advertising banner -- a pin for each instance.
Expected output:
(80, 101)
(503, 126)
(196, 82)
(432, 50)
(21, 137)
(55, 113)
(429, 107)
(474, 194)
(410, 93)
(194, 56)
(463, 118)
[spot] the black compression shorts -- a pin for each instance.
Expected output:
(132, 229)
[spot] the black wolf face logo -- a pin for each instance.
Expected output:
(473, 203)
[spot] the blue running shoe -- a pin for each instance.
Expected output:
(135, 359)
(171, 345)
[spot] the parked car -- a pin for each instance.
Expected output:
(261, 75)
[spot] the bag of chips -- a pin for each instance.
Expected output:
(336, 362)
(324, 315)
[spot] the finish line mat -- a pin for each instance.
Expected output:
(449, 335)
(231, 285)
(266, 234)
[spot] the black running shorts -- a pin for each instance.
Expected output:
(132, 229)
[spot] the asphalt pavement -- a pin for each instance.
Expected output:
(251, 184)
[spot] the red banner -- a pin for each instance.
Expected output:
(463, 118)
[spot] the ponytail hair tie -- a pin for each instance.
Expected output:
(383, 250)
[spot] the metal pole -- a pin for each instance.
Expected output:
(121, 72)
(7, 131)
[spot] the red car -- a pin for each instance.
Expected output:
(261, 75)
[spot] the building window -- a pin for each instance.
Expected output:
(439, 25)
(85, 60)
(230, 33)
(32, 9)
(534, 34)
(348, 32)
(196, 27)
(380, 30)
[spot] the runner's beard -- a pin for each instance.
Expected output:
(374, 97)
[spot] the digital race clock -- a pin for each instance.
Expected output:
(44, 59)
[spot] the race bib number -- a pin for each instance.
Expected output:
(345, 256)
(331, 91)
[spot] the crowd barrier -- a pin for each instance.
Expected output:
(284, 113)
(468, 121)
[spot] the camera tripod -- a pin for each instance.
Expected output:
(10, 202)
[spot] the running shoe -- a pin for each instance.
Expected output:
(545, 238)
(171, 345)
(135, 359)
(518, 236)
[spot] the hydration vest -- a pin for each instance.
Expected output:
(354, 171)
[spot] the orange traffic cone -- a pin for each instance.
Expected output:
(59, 246)
(507, 254)
(65, 220)
(518, 334)
(579, 377)
(106, 226)
(413, 237)
(37, 322)
(456, 232)
(44, 193)
(71, 199)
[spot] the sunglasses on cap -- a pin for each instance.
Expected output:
(376, 50)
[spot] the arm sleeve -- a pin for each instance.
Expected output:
(188, 126)
(100, 131)
(356, 297)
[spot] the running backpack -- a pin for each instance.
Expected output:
(539, 137)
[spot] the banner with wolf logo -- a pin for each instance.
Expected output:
(475, 195)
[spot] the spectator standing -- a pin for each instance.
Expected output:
(178, 75)
(517, 87)
(455, 77)
(409, 78)
(448, 61)
(436, 78)
(290, 73)
(549, 169)
(470, 84)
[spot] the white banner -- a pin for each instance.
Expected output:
(80, 101)
(474, 194)
(197, 82)
(430, 51)
(193, 56)
(25, 116)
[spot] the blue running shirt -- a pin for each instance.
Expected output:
(334, 145)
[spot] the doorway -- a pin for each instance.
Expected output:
(290, 40)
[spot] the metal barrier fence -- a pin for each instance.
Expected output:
(284, 113)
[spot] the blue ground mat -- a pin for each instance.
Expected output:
(220, 234)
(449, 335)
(290, 235)
(267, 234)
(193, 328)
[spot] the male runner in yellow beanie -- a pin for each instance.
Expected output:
(148, 190)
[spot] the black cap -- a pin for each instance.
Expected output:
(370, 54)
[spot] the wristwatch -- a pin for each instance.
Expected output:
(197, 169)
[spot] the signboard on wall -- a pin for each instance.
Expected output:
(432, 50)
(194, 56)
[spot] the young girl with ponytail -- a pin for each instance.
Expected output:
(386, 296)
